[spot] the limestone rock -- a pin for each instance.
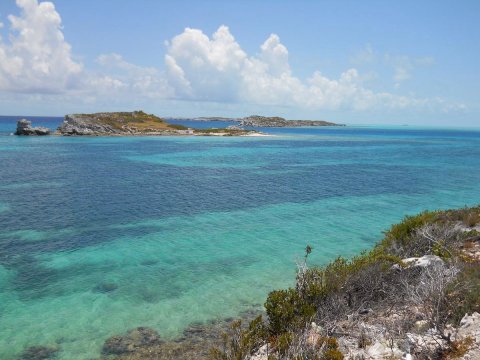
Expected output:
(419, 262)
(82, 125)
(421, 326)
(24, 127)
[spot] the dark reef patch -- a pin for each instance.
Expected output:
(39, 353)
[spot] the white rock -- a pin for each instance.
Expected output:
(421, 325)
(423, 262)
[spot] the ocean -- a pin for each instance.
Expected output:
(102, 234)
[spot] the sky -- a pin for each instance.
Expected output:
(355, 62)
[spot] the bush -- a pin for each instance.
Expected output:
(287, 311)
(400, 237)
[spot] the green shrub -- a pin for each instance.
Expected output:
(283, 342)
(286, 311)
(401, 233)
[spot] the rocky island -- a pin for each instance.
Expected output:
(136, 123)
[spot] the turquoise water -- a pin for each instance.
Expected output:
(99, 235)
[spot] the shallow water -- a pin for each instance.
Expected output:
(99, 235)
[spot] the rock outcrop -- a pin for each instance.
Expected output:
(419, 262)
(86, 125)
(24, 127)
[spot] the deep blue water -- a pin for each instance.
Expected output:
(196, 228)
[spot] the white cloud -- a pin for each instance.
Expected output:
(217, 69)
(203, 68)
(37, 57)
(275, 55)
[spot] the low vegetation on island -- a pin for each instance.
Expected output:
(415, 295)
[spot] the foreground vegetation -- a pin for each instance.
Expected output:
(416, 284)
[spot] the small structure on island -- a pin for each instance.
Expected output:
(24, 127)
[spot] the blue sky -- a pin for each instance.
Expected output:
(388, 62)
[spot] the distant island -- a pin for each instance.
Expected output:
(262, 121)
(136, 123)
(265, 121)
(139, 123)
